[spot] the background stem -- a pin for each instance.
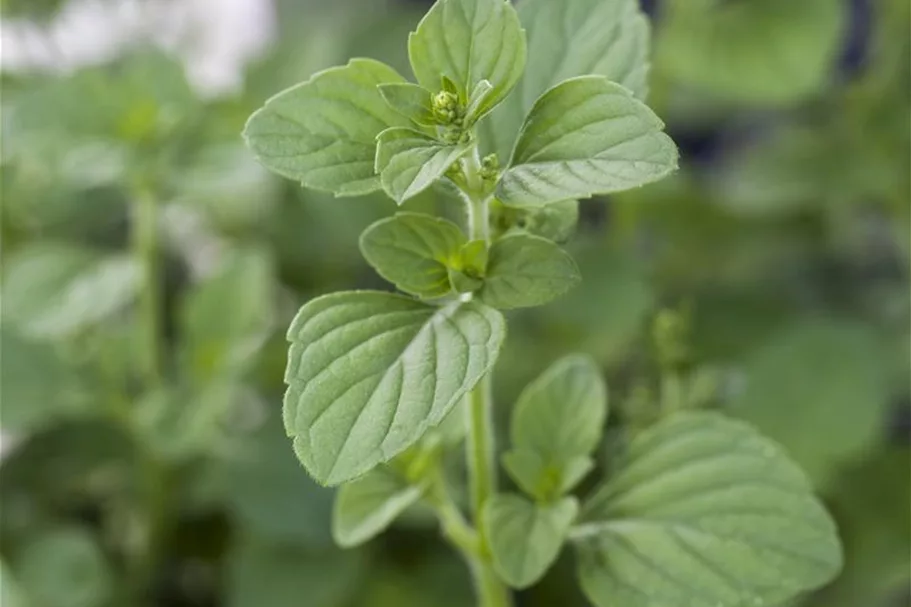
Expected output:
(145, 246)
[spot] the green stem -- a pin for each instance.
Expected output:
(145, 247)
(492, 592)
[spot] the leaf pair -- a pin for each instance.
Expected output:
(430, 257)
(556, 425)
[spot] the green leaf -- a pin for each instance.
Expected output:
(525, 538)
(56, 290)
(262, 485)
(557, 423)
(414, 251)
(768, 52)
(280, 574)
(64, 568)
(476, 102)
(410, 100)
(469, 41)
(705, 512)
(365, 507)
(583, 137)
(323, 132)
(574, 38)
(473, 257)
(526, 271)
(555, 221)
(368, 373)
(462, 282)
(409, 162)
(820, 388)
(221, 340)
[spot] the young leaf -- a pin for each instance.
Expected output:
(365, 507)
(414, 252)
(557, 423)
(409, 100)
(583, 137)
(526, 271)
(574, 38)
(409, 162)
(707, 513)
(525, 538)
(369, 372)
(555, 221)
(323, 132)
(476, 102)
(468, 41)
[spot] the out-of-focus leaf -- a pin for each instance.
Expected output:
(775, 51)
(263, 574)
(227, 317)
(271, 495)
(870, 501)
(64, 568)
(820, 389)
(55, 290)
(11, 594)
(37, 385)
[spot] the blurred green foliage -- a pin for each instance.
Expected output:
(787, 232)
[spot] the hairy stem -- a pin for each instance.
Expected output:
(492, 592)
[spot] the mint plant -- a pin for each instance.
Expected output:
(522, 113)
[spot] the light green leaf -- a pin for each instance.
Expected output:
(11, 594)
(409, 162)
(555, 221)
(56, 290)
(463, 283)
(583, 137)
(526, 271)
(820, 388)
(705, 512)
(228, 316)
(365, 507)
(368, 373)
(410, 100)
(64, 568)
(474, 257)
(469, 41)
(768, 52)
(525, 538)
(323, 132)
(540, 478)
(414, 251)
(557, 423)
(574, 38)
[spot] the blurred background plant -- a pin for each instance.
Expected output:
(150, 267)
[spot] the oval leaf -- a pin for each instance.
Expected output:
(557, 423)
(706, 513)
(583, 137)
(526, 271)
(574, 38)
(525, 538)
(323, 132)
(409, 162)
(365, 507)
(469, 41)
(414, 252)
(369, 372)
